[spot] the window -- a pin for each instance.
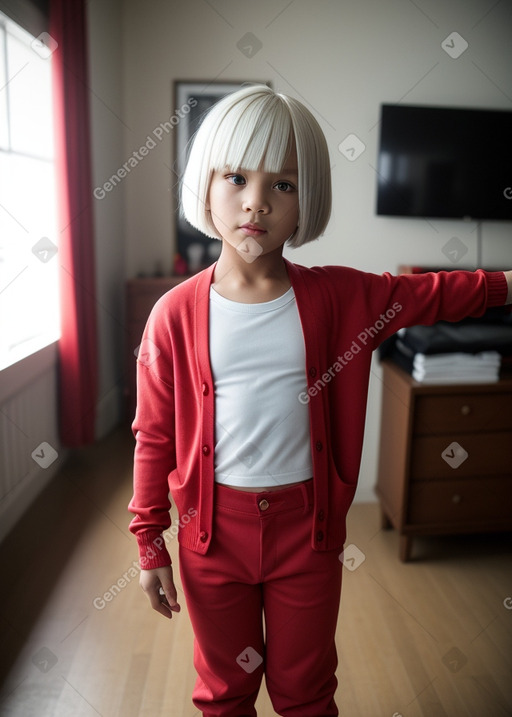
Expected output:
(29, 291)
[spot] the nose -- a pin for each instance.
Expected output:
(255, 201)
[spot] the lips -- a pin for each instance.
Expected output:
(253, 229)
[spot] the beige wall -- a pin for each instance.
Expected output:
(342, 59)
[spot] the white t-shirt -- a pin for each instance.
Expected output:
(257, 357)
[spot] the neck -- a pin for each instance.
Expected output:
(265, 267)
(262, 279)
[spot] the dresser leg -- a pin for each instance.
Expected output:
(385, 522)
(405, 548)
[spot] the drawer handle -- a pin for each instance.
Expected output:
(465, 410)
(456, 498)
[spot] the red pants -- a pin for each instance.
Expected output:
(260, 564)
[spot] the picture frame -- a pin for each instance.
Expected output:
(192, 99)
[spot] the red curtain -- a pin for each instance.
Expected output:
(78, 343)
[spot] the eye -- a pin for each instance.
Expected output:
(236, 179)
(284, 186)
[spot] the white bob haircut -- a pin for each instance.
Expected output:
(254, 128)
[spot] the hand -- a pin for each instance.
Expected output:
(508, 276)
(152, 581)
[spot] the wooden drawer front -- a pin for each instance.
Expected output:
(464, 412)
(135, 335)
(455, 501)
(142, 295)
(488, 454)
(139, 306)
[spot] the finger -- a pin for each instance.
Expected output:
(157, 603)
(169, 598)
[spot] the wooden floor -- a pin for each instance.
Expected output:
(432, 638)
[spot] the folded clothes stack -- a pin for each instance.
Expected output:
(465, 352)
(483, 367)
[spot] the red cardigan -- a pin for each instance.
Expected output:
(345, 314)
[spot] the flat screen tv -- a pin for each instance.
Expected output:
(445, 162)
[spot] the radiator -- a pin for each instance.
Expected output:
(29, 446)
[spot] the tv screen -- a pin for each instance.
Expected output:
(445, 162)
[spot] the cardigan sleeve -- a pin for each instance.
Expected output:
(394, 302)
(155, 455)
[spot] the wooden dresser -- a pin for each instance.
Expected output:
(141, 296)
(445, 462)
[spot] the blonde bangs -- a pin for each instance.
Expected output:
(260, 138)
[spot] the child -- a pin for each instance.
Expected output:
(251, 404)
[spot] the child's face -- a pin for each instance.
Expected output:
(254, 211)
